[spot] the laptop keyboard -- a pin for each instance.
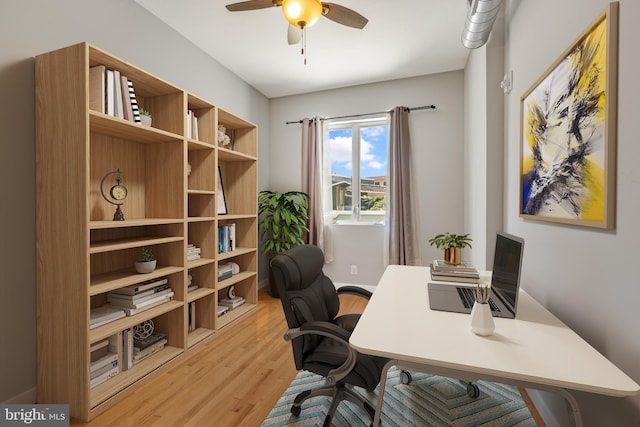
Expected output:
(467, 297)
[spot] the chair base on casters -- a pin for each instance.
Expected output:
(338, 392)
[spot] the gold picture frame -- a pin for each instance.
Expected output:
(568, 128)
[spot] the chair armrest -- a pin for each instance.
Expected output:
(331, 331)
(354, 290)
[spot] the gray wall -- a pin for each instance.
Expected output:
(437, 139)
(32, 27)
(585, 276)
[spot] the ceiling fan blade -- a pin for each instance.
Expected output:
(251, 5)
(294, 34)
(344, 15)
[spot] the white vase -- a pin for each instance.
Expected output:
(145, 267)
(481, 319)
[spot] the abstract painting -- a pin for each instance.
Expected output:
(568, 129)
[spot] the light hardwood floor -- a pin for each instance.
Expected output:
(233, 380)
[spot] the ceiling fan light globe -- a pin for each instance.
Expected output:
(302, 13)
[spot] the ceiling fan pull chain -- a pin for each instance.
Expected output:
(304, 44)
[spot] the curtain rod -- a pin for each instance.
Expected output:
(423, 107)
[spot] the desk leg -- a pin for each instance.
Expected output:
(572, 403)
(381, 388)
(574, 413)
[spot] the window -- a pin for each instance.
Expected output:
(355, 165)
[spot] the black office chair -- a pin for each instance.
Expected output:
(320, 340)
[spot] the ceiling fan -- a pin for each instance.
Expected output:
(302, 14)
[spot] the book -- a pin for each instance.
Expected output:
(134, 102)
(193, 252)
(232, 302)
(126, 99)
(454, 273)
(195, 128)
(97, 76)
(102, 370)
(440, 265)
(148, 304)
(104, 377)
(117, 95)
(141, 344)
(103, 315)
(189, 123)
(458, 279)
(232, 237)
(225, 275)
(143, 354)
(101, 361)
(141, 287)
(127, 349)
(110, 93)
(192, 316)
(99, 345)
(223, 238)
(129, 302)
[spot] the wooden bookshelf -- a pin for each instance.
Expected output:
(170, 170)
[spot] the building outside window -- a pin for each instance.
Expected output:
(356, 161)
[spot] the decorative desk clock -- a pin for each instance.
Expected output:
(117, 193)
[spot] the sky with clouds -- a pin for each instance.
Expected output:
(373, 151)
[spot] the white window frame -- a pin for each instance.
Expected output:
(355, 124)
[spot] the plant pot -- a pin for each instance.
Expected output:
(146, 266)
(453, 256)
(145, 120)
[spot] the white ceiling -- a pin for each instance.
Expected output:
(403, 38)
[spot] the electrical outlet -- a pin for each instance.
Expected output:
(354, 269)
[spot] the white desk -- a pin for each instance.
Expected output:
(535, 350)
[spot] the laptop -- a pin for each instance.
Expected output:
(505, 283)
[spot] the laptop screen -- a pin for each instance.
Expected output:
(507, 263)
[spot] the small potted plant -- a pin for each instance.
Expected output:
(452, 245)
(146, 262)
(145, 117)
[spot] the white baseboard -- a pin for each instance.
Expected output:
(29, 396)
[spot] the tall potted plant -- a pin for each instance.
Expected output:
(452, 245)
(284, 218)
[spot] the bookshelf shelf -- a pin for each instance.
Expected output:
(199, 335)
(108, 389)
(199, 293)
(109, 281)
(170, 170)
(236, 278)
(116, 326)
(233, 315)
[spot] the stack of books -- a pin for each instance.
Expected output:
(224, 271)
(193, 252)
(464, 272)
(226, 238)
(231, 303)
(140, 297)
(143, 348)
(104, 362)
(113, 94)
(103, 315)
